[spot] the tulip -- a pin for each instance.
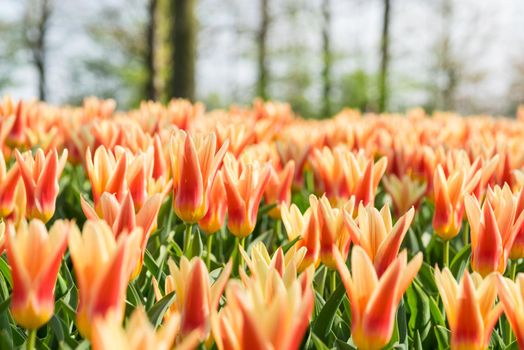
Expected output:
(517, 249)
(305, 226)
(139, 334)
(470, 308)
(493, 229)
(342, 174)
(195, 298)
(245, 185)
(374, 232)
(123, 220)
(405, 192)
(2, 237)
(449, 200)
(278, 189)
(103, 266)
(273, 317)
(9, 180)
(216, 213)
(194, 162)
(511, 295)
(333, 231)
(107, 173)
(374, 299)
(40, 175)
(35, 257)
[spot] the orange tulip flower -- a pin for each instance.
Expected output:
(333, 231)
(139, 334)
(493, 229)
(107, 173)
(123, 220)
(40, 175)
(511, 295)
(194, 161)
(342, 174)
(470, 308)
(405, 192)
(278, 189)
(195, 297)
(275, 316)
(245, 185)
(9, 180)
(449, 200)
(216, 214)
(374, 232)
(103, 267)
(374, 299)
(35, 257)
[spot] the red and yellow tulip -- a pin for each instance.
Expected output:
(103, 266)
(470, 308)
(278, 189)
(196, 298)
(216, 214)
(245, 185)
(511, 295)
(40, 175)
(195, 161)
(35, 257)
(374, 299)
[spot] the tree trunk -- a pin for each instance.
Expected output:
(36, 34)
(262, 50)
(384, 60)
(448, 65)
(326, 58)
(149, 86)
(182, 77)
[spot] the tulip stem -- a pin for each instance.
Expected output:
(187, 240)
(209, 246)
(446, 253)
(31, 339)
(513, 269)
(333, 281)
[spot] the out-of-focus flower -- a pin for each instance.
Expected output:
(278, 189)
(236, 135)
(449, 194)
(107, 173)
(103, 267)
(470, 308)
(9, 180)
(405, 192)
(2, 237)
(517, 248)
(342, 174)
(40, 175)
(374, 299)
(196, 297)
(139, 334)
(194, 161)
(35, 257)
(275, 316)
(493, 229)
(16, 135)
(511, 295)
(333, 231)
(216, 213)
(374, 232)
(245, 185)
(123, 220)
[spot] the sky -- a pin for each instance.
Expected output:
(487, 37)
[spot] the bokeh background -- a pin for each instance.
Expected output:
(319, 55)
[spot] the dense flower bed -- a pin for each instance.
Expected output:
(171, 226)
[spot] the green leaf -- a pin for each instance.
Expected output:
(324, 320)
(402, 324)
(419, 308)
(151, 264)
(56, 327)
(159, 309)
(460, 261)
(442, 334)
(290, 244)
(319, 344)
(6, 272)
(417, 342)
(266, 209)
(341, 345)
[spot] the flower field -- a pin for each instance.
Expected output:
(174, 227)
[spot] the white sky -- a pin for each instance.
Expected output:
(488, 37)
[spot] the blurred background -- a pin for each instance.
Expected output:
(318, 55)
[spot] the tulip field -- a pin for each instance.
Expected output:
(176, 227)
